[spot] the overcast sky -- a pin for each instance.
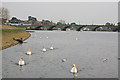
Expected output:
(119, 11)
(79, 12)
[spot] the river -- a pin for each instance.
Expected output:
(87, 53)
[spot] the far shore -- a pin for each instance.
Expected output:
(9, 32)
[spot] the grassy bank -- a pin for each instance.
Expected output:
(20, 26)
(8, 33)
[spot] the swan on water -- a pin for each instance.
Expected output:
(40, 37)
(28, 52)
(76, 38)
(21, 61)
(64, 60)
(105, 59)
(44, 50)
(74, 69)
(51, 47)
(47, 37)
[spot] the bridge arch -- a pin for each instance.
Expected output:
(38, 27)
(80, 28)
(64, 29)
(51, 27)
(96, 28)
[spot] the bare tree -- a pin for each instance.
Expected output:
(4, 13)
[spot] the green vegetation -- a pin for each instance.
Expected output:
(20, 26)
(59, 23)
(45, 20)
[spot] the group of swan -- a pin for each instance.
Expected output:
(73, 70)
(44, 49)
(21, 61)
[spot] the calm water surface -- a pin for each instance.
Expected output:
(87, 53)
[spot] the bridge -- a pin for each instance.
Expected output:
(73, 27)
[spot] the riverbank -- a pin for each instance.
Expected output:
(9, 32)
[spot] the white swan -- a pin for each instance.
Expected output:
(47, 37)
(51, 47)
(21, 61)
(64, 60)
(76, 38)
(40, 37)
(28, 52)
(74, 69)
(105, 59)
(44, 50)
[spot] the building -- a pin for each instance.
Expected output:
(14, 20)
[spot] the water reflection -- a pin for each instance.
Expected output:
(21, 69)
(74, 76)
(43, 52)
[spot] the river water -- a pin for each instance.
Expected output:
(87, 53)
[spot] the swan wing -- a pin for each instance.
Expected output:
(23, 62)
(29, 52)
(72, 70)
(19, 63)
